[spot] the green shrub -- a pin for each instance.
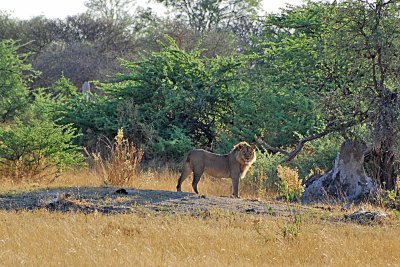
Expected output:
(317, 155)
(262, 174)
(14, 74)
(174, 146)
(37, 149)
(173, 87)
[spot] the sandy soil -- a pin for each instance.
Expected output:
(111, 200)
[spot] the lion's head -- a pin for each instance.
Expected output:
(245, 153)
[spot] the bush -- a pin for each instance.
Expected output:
(37, 149)
(117, 162)
(317, 156)
(262, 174)
(179, 94)
(290, 185)
(14, 74)
(174, 146)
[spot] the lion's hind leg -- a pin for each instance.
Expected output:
(184, 174)
(197, 173)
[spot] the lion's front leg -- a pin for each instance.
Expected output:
(235, 186)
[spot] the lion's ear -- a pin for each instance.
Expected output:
(238, 146)
(253, 146)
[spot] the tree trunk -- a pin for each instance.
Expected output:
(385, 165)
(345, 182)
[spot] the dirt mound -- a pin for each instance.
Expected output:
(111, 200)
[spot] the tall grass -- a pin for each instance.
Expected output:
(216, 239)
(290, 185)
(116, 162)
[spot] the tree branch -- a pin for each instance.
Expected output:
(300, 145)
(271, 148)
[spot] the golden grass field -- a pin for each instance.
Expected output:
(217, 238)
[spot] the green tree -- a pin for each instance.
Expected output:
(179, 92)
(366, 76)
(63, 88)
(204, 15)
(14, 75)
(343, 56)
(35, 149)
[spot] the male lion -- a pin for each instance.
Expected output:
(234, 165)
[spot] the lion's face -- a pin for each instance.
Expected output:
(246, 153)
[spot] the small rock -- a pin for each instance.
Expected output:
(366, 217)
(346, 206)
(250, 210)
(121, 191)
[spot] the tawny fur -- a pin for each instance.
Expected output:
(233, 165)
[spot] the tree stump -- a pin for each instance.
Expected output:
(345, 182)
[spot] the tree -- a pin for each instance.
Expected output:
(204, 15)
(179, 93)
(79, 62)
(62, 88)
(14, 75)
(370, 74)
(352, 70)
(114, 10)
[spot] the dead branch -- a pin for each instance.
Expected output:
(271, 148)
(299, 147)
(301, 143)
(291, 155)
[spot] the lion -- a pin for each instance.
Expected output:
(233, 165)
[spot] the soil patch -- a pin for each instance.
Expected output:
(112, 200)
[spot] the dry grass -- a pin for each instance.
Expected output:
(165, 179)
(120, 164)
(216, 239)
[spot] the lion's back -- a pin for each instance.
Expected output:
(214, 164)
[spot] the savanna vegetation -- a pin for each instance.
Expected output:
(209, 74)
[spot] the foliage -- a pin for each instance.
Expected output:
(290, 185)
(342, 57)
(175, 145)
(63, 88)
(262, 174)
(204, 15)
(36, 149)
(33, 145)
(14, 74)
(173, 89)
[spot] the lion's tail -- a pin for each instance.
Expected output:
(184, 172)
(186, 159)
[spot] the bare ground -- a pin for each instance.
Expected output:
(115, 200)
(112, 200)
